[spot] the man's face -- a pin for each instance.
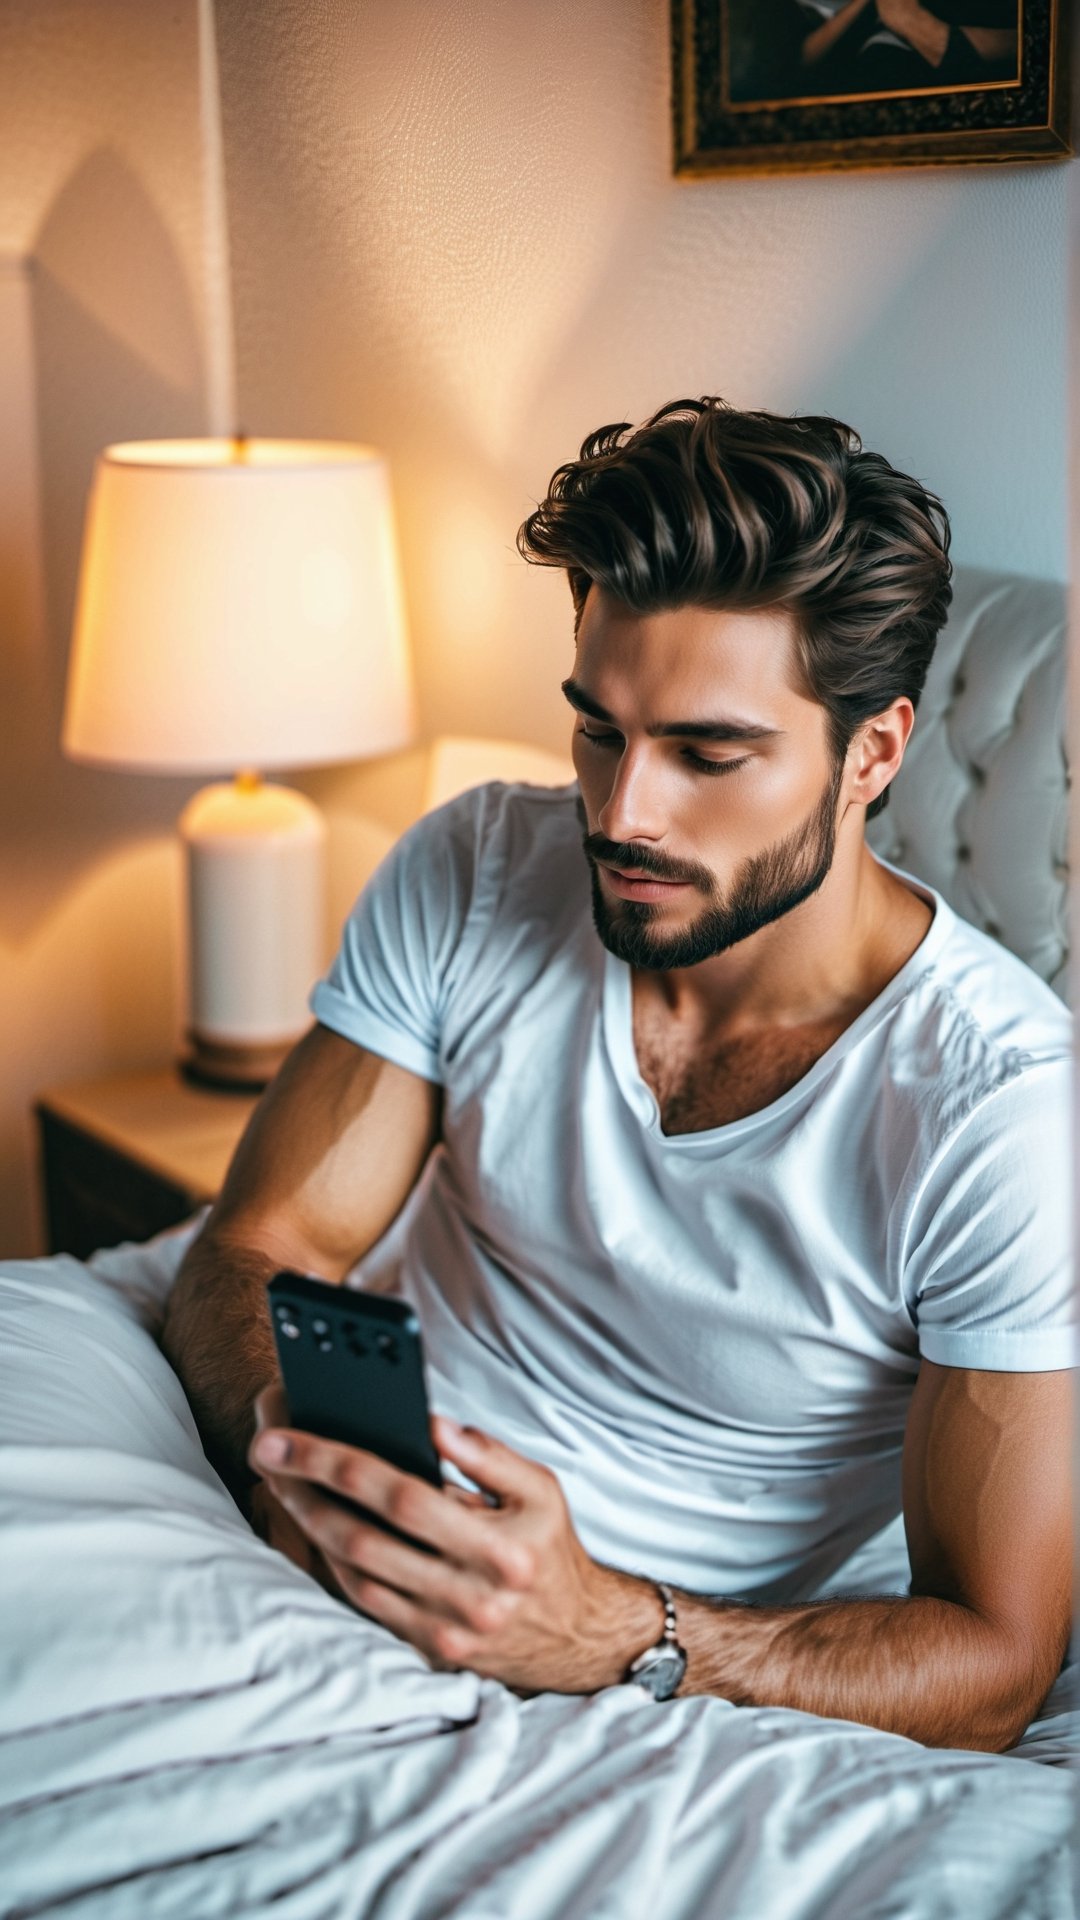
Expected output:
(709, 791)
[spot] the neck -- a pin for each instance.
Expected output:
(821, 963)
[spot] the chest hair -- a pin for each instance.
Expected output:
(698, 1085)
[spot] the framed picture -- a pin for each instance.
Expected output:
(799, 85)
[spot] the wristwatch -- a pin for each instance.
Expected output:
(660, 1669)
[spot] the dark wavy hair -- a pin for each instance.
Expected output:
(705, 506)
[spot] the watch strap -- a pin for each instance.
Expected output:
(670, 1635)
(661, 1668)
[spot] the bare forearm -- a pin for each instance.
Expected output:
(217, 1336)
(992, 43)
(822, 40)
(928, 35)
(927, 1668)
(921, 28)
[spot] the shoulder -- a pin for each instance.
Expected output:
(496, 867)
(976, 1130)
(979, 1018)
(968, 1061)
(501, 814)
(979, 1062)
(526, 920)
(463, 844)
(512, 843)
(974, 1021)
(985, 1228)
(537, 821)
(470, 888)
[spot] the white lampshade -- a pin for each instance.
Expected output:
(239, 605)
(240, 610)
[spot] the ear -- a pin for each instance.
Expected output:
(876, 751)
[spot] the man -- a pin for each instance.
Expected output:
(949, 43)
(737, 1224)
(785, 49)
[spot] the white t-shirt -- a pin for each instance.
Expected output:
(713, 1337)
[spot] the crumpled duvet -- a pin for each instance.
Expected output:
(190, 1727)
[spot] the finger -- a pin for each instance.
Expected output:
(407, 1503)
(465, 1496)
(348, 1539)
(491, 1464)
(271, 1407)
(288, 1538)
(443, 1643)
(276, 1526)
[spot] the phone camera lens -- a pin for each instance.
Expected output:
(290, 1329)
(325, 1346)
(388, 1347)
(319, 1328)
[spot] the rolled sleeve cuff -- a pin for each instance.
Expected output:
(1001, 1349)
(365, 1029)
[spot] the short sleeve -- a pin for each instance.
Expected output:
(388, 985)
(989, 1270)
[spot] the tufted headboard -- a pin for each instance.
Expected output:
(979, 808)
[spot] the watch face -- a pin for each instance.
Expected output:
(665, 1668)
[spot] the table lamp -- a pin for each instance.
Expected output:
(240, 610)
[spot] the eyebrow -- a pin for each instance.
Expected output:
(719, 729)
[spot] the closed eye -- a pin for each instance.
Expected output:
(696, 760)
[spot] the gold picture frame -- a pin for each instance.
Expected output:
(798, 86)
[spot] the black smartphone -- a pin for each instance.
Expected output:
(353, 1370)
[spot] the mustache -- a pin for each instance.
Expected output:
(622, 853)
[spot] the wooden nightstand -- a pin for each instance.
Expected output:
(124, 1158)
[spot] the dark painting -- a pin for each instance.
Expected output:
(766, 84)
(819, 49)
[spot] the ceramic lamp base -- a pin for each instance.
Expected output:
(231, 1069)
(255, 901)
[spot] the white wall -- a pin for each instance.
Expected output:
(454, 232)
(103, 304)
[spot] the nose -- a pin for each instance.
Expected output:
(632, 810)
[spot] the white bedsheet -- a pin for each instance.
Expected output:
(190, 1727)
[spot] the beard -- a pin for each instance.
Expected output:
(766, 886)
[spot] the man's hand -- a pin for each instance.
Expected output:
(274, 1524)
(962, 1661)
(507, 1591)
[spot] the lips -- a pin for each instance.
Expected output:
(632, 884)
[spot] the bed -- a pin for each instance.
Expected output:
(191, 1727)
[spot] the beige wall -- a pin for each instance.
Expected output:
(456, 224)
(102, 321)
(453, 232)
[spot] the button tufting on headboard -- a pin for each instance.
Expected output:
(979, 808)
